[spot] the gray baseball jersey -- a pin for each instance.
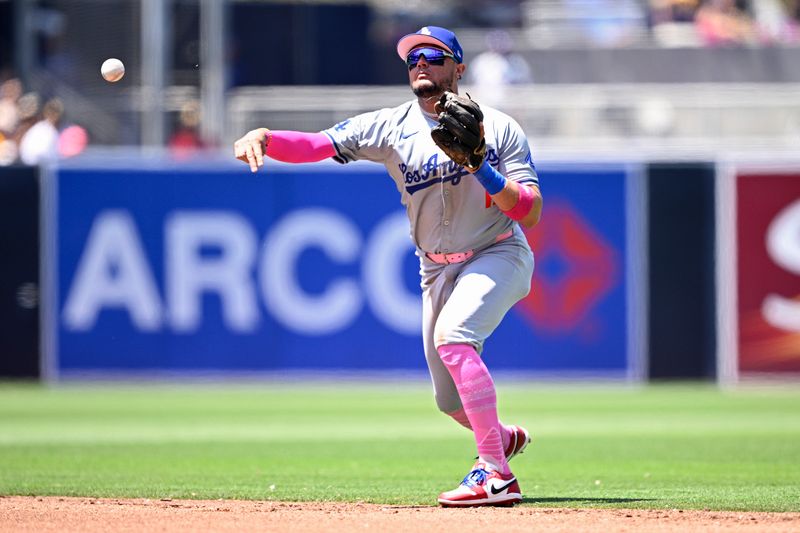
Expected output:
(446, 205)
(449, 213)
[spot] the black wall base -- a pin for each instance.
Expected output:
(682, 308)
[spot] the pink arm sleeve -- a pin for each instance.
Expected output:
(299, 147)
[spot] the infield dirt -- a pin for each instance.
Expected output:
(59, 514)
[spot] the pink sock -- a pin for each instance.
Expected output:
(461, 417)
(476, 390)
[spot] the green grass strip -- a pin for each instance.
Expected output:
(686, 447)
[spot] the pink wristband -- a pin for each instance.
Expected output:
(524, 204)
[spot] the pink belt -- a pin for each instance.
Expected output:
(460, 257)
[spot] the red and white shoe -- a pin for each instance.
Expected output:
(520, 438)
(483, 486)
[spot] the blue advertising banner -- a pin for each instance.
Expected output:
(308, 267)
(576, 315)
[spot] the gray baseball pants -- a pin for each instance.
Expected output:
(463, 303)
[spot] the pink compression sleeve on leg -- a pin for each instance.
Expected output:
(460, 416)
(476, 390)
(299, 147)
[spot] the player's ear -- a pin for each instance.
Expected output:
(460, 68)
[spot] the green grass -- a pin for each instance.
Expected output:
(690, 447)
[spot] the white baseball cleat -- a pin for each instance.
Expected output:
(520, 438)
(483, 486)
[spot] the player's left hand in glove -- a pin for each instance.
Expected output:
(460, 130)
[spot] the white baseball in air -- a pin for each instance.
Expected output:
(112, 69)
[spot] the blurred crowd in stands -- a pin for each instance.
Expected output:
(33, 131)
(504, 40)
(725, 22)
(612, 23)
(667, 23)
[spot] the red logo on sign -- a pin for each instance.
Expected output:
(575, 268)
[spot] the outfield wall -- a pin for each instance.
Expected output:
(642, 269)
(169, 268)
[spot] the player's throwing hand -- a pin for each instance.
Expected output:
(251, 148)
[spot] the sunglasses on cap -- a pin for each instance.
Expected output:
(433, 56)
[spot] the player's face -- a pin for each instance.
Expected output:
(432, 76)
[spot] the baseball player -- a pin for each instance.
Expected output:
(467, 181)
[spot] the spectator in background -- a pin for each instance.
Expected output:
(499, 66)
(72, 141)
(28, 108)
(40, 142)
(19, 118)
(10, 93)
(724, 23)
(777, 21)
(186, 138)
(663, 11)
(672, 23)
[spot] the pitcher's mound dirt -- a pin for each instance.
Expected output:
(90, 515)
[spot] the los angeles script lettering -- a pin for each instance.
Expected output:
(433, 172)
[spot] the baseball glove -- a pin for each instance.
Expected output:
(460, 130)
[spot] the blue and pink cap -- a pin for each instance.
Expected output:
(430, 35)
